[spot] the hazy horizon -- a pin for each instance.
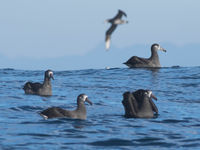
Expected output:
(66, 35)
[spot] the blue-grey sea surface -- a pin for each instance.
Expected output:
(176, 127)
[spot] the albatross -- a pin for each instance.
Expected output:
(114, 22)
(151, 62)
(43, 89)
(78, 113)
(139, 104)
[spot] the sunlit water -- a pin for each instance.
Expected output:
(176, 127)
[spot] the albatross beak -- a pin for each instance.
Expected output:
(162, 49)
(52, 76)
(87, 100)
(152, 96)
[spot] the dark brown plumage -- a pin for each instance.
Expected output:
(114, 22)
(43, 89)
(151, 62)
(139, 104)
(78, 113)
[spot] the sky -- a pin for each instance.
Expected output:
(70, 35)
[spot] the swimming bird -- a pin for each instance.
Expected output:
(139, 104)
(114, 22)
(78, 113)
(44, 89)
(153, 61)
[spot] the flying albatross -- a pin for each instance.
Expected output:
(114, 22)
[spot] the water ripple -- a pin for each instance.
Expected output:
(176, 126)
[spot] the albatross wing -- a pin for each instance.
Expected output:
(108, 35)
(136, 61)
(120, 14)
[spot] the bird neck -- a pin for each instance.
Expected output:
(47, 81)
(81, 108)
(145, 105)
(154, 56)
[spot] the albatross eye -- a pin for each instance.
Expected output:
(82, 97)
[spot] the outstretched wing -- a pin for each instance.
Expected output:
(110, 30)
(108, 35)
(120, 14)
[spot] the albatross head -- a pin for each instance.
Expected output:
(49, 74)
(158, 47)
(83, 98)
(107, 21)
(150, 94)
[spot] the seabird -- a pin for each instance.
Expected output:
(78, 113)
(153, 61)
(114, 22)
(139, 104)
(43, 89)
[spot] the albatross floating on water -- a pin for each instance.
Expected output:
(43, 89)
(114, 22)
(78, 113)
(153, 61)
(139, 104)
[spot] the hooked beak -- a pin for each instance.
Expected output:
(152, 96)
(51, 76)
(162, 49)
(87, 100)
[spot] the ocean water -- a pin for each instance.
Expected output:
(176, 127)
